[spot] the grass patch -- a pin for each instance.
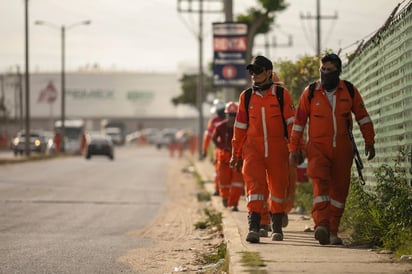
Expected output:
(214, 219)
(203, 196)
(215, 261)
(253, 260)
(216, 256)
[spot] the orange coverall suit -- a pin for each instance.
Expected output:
(207, 137)
(230, 180)
(259, 140)
(329, 149)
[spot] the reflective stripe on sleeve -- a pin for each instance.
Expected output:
(255, 197)
(364, 120)
(240, 125)
(298, 128)
(321, 199)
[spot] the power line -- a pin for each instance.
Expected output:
(188, 7)
(318, 17)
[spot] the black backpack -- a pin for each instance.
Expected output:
(279, 95)
(348, 84)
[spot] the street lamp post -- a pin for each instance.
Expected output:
(63, 29)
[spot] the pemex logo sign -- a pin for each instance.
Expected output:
(48, 94)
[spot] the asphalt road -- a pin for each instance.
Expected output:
(72, 215)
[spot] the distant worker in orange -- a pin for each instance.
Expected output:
(230, 179)
(57, 140)
(83, 143)
(181, 141)
(219, 115)
(265, 116)
(328, 104)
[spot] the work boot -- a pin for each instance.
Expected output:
(235, 209)
(322, 235)
(335, 240)
(285, 220)
(277, 233)
(224, 202)
(264, 231)
(254, 223)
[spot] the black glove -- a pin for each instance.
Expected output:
(370, 151)
(297, 157)
(236, 163)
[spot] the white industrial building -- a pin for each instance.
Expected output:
(140, 100)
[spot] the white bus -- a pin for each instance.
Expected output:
(73, 133)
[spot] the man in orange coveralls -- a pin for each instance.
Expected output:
(290, 193)
(329, 149)
(219, 110)
(230, 179)
(259, 139)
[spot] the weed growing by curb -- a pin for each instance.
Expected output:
(252, 259)
(381, 217)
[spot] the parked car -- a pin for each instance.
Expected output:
(38, 142)
(99, 144)
(115, 134)
(165, 137)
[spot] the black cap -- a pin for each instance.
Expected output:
(261, 61)
(334, 59)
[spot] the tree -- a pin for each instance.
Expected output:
(259, 20)
(189, 87)
(297, 75)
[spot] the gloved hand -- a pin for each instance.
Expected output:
(236, 163)
(232, 162)
(297, 157)
(370, 151)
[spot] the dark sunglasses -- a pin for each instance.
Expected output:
(256, 70)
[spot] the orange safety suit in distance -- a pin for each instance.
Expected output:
(207, 137)
(259, 140)
(230, 180)
(329, 149)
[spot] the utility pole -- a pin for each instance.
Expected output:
(318, 17)
(20, 100)
(27, 79)
(181, 7)
(229, 92)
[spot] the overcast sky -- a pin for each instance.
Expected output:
(151, 35)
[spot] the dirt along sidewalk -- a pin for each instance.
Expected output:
(299, 251)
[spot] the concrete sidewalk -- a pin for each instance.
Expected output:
(299, 252)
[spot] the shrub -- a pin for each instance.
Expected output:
(304, 196)
(381, 216)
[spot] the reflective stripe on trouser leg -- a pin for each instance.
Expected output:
(236, 190)
(321, 202)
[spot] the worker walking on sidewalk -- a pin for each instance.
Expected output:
(329, 104)
(265, 117)
(230, 179)
(290, 192)
(219, 115)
